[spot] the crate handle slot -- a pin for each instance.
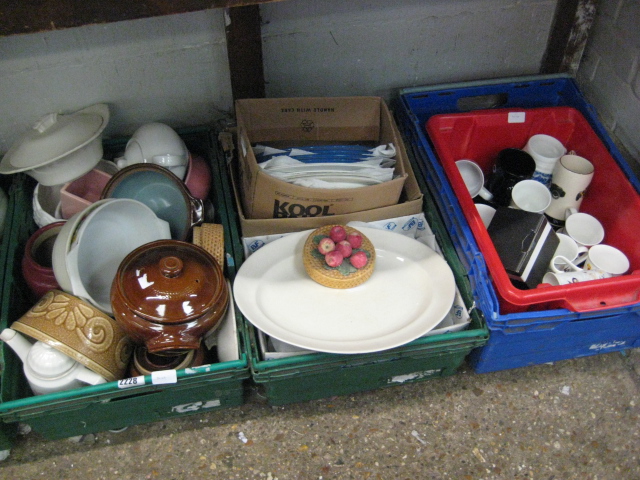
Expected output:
(482, 102)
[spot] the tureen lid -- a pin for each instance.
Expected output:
(55, 136)
(170, 281)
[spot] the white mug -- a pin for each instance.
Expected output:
(531, 196)
(546, 151)
(602, 261)
(486, 213)
(606, 260)
(569, 181)
(567, 278)
(473, 178)
(568, 249)
(585, 229)
(570, 274)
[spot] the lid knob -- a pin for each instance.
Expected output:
(171, 266)
(46, 122)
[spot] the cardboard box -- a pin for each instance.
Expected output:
(309, 121)
(411, 203)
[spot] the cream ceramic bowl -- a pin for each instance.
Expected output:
(90, 247)
(46, 204)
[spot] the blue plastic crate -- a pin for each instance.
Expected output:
(543, 342)
(531, 337)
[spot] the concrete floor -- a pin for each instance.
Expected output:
(577, 419)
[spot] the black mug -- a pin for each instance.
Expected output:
(512, 166)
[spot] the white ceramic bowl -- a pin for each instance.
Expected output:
(59, 148)
(46, 204)
(61, 246)
(157, 143)
(87, 254)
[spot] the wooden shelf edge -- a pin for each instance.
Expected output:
(31, 16)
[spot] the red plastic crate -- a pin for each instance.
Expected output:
(611, 198)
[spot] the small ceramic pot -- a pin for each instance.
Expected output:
(79, 330)
(168, 294)
(37, 266)
(144, 363)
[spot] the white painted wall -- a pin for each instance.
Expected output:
(609, 75)
(333, 47)
(172, 69)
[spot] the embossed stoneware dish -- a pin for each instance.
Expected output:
(79, 330)
(168, 294)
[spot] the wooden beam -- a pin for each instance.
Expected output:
(568, 37)
(30, 16)
(244, 47)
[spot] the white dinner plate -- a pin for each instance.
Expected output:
(411, 290)
(225, 338)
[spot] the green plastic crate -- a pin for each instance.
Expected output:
(320, 375)
(103, 407)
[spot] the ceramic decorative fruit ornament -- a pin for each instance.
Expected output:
(338, 256)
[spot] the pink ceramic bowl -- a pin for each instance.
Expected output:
(198, 177)
(77, 195)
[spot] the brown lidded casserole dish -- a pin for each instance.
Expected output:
(168, 294)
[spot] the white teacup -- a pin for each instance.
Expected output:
(531, 196)
(607, 260)
(570, 274)
(569, 249)
(473, 178)
(585, 229)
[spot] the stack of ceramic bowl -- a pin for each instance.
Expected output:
(158, 144)
(58, 149)
(161, 191)
(102, 223)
